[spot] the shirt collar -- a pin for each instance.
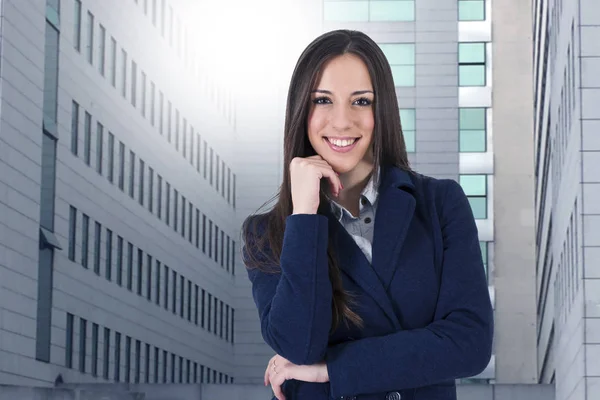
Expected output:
(369, 192)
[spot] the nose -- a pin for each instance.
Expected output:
(341, 120)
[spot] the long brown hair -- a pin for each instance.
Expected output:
(264, 237)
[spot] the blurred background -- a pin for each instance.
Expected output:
(137, 135)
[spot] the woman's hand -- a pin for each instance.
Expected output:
(279, 370)
(305, 178)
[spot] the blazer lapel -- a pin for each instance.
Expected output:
(394, 213)
(354, 264)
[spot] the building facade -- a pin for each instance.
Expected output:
(117, 196)
(567, 172)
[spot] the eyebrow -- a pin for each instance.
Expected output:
(353, 93)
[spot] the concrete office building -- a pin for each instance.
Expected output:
(117, 196)
(567, 193)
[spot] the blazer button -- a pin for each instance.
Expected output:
(393, 396)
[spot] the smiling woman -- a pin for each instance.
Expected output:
(367, 276)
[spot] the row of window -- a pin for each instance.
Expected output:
(472, 125)
(152, 104)
(392, 10)
(565, 110)
(178, 36)
(151, 191)
(472, 61)
(567, 281)
(137, 270)
(129, 360)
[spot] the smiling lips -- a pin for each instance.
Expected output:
(341, 144)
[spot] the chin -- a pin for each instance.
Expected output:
(341, 166)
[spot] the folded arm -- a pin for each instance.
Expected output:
(295, 305)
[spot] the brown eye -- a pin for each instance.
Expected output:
(321, 100)
(363, 101)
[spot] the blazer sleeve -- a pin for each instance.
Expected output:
(294, 306)
(457, 344)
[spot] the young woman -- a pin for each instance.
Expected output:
(368, 277)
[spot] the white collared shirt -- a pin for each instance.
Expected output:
(361, 228)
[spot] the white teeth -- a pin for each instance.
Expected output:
(341, 143)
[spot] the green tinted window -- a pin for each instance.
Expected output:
(401, 57)
(407, 118)
(471, 59)
(346, 11)
(475, 187)
(471, 10)
(472, 126)
(392, 10)
(369, 10)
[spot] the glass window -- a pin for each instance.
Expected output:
(471, 60)
(109, 245)
(97, 242)
(475, 187)
(82, 344)
(101, 49)
(99, 147)
(119, 260)
(74, 127)
(72, 232)
(95, 328)
(87, 139)
(48, 181)
(90, 38)
(111, 157)
(142, 172)
(143, 94)
(133, 83)
(472, 126)
(392, 10)
(129, 266)
(117, 362)
(407, 118)
(471, 10)
(50, 106)
(369, 10)
(69, 341)
(85, 232)
(131, 174)
(140, 271)
(106, 357)
(113, 62)
(123, 73)
(346, 11)
(121, 166)
(401, 57)
(152, 102)
(77, 27)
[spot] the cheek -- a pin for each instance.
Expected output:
(316, 123)
(367, 123)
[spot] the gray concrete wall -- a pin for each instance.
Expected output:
(514, 277)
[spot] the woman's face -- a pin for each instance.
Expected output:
(340, 121)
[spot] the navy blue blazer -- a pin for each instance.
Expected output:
(424, 299)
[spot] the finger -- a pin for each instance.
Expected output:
(269, 366)
(333, 178)
(276, 386)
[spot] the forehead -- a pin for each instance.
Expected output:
(345, 72)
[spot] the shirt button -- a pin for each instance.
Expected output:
(367, 220)
(363, 201)
(393, 396)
